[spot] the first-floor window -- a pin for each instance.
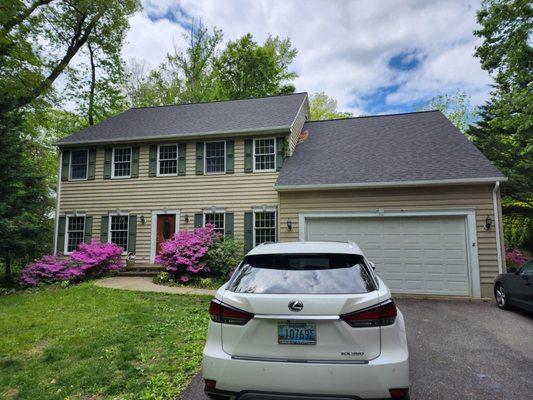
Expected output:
(168, 160)
(75, 232)
(122, 162)
(118, 230)
(264, 227)
(216, 219)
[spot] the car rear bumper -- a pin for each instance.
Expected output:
(250, 379)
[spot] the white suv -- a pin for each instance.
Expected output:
(307, 320)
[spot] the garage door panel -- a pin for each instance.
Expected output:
(424, 255)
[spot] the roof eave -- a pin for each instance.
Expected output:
(192, 136)
(377, 185)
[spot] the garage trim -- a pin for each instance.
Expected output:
(471, 234)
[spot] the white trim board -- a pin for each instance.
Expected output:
(153, 233)
(471, 230)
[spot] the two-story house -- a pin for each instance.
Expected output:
(410, 189)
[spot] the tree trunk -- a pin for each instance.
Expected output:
(90, 111)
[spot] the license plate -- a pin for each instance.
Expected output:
(296, 333)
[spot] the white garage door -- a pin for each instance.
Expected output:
(423, 255)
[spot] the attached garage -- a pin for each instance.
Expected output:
(414, 254)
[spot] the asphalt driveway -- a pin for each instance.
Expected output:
(460, 350)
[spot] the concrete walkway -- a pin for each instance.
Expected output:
(145, 284)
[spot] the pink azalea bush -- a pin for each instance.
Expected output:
(514, 257)
(184, 256)
(89, 261)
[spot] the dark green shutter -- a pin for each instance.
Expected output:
(198, 220)
(104, 228)
(152, 167)
(280, 152)
(135, 162)
(228, 224)
(199, 158)
(107, 163)
(248, 155)
(87, 235)
(132, 236)
(65, 164)
(248, 231)
(182, 158)
(230, 156)
(61, 234)
(92, 164)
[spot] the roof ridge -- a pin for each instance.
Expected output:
(373, 116)
(219, 101)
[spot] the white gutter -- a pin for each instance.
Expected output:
(364, 185)
(497, 224)
(186, 136)
(58, 201)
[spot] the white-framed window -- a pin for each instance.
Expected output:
(217, 218)
(265, 224)
(75, 231)
(167, 160)
(79, 165)
(265, 155)
(119, 230)
(215, 157)
(121, 165)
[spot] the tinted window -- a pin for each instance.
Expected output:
(302, 274)
(527, 268)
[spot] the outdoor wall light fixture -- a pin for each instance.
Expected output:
(186, 218)
(289, 224)
(142, 219)
(488, 222)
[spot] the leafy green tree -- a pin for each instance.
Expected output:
(456, 107)
(504, 131)
(324, 107)
(246, 69)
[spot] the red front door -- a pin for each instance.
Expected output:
(166, 227)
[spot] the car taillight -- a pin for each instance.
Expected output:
(225, 314)
(381, 315)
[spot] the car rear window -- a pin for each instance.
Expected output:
(302, 274)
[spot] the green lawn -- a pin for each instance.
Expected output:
(86, 342)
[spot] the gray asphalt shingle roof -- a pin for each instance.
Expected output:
(175, 121)
(422, 146)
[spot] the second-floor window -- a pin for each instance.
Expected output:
(168, 160)
(215, 157)
(264, 155)
(118, 230)
(215, 218)
(75, 232)
(122, 162)
(79, 164)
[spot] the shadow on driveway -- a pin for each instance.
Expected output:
(467, 350)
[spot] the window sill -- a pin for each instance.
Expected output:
(121, 177)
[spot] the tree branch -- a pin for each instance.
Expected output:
(23, 15)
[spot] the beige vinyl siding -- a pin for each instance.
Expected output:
(299, 121)
(477, 197)
(236, 193)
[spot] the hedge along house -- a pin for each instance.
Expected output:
(421, 201)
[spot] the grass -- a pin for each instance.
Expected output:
(87, 342)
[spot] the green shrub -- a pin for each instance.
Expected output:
(162, 278)
(224, 255)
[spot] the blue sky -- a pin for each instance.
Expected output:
(372, 56)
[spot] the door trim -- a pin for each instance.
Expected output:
(468, 213)
(153, 235)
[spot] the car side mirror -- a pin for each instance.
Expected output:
(372, 265)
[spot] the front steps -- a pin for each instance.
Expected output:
(141, 269)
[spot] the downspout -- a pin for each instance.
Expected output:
(58, 197)
(497, 225)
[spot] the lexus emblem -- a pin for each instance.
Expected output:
(296, 305)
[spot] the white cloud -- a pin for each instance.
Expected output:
(344, 47)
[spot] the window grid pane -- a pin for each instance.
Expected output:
(265, 156)
(75, 232)
(215, 154)
(265, 227)
(78, 164)
(168, 160)
(119, 230)
(122, 162)
(216, 219)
